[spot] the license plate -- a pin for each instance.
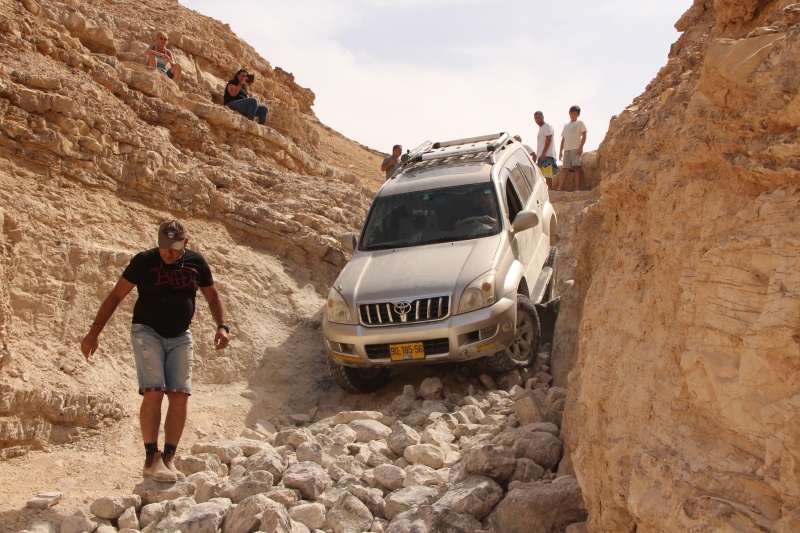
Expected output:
(404, 352)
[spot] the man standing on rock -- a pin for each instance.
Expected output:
(573, 137)
(545, 149)
(392, 162)
(167, 279)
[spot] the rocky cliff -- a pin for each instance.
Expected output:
(684, 408)
(96, 149)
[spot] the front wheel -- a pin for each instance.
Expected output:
(522, 351)
(358, 379)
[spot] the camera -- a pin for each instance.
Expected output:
(250, 78)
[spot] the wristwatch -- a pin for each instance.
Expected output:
(226, 327)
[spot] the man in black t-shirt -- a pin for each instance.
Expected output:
(167, 279)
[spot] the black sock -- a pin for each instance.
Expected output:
(150, 448)
(169, 449)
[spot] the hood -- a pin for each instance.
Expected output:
(404, 273)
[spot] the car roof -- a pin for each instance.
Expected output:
(451, 164)
(440, 173)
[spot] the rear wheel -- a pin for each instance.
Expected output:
(522, 351)
(358, 379)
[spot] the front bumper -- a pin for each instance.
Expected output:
(458, 338)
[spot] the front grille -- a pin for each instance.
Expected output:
(404, 312)
(432, 347)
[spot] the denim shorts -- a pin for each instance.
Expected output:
(162, 364)
(167, 71)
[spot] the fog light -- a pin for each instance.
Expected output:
(487, 332)
(339, 347)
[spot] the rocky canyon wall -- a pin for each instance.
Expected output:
(684, 407)
(96, 149)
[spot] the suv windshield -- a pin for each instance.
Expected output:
(431, 216)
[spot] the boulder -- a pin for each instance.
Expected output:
(540, 507)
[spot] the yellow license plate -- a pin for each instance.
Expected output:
(403, 352)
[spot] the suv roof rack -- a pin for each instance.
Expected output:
(483, 143)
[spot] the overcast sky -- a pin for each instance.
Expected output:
(387, 72)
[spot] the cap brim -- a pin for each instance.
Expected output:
(169, 244)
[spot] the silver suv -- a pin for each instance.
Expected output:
(455, 262)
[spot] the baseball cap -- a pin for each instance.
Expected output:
(172, 235)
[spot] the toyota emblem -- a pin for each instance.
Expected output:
(402, 308)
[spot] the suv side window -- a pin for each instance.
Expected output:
(512, 200)
(520, 171)
(520, 184)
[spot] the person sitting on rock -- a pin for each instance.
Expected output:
(237, 99)
(159, 56)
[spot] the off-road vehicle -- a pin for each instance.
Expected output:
(455, 262)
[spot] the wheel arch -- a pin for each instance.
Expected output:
(550, 224)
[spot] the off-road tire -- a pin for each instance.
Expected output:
(358, 380)
(522, 352)
(552, 262)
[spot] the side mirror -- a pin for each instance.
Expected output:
(525, 220)
(348, 241)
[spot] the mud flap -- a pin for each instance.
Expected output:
(548, 314)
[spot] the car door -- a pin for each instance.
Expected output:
(520, 242)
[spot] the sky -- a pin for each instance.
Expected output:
(391, 72)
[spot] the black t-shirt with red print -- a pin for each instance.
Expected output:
(167, 292)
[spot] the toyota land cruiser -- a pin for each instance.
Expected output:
(454, 263)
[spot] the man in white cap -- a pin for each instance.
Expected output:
(167, 279)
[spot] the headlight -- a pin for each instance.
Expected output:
(337, 309)
(478, 294)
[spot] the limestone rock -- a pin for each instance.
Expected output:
(367, 430)
(401, 437)
(309, 478)
(242, 488)
(312, 515)
(390, 477)
(431, 388)
(111, 508)
(268, 460)
(227, 451)
(348, 514)
(539, 507)
(128, 519)
(402, 500)
(152, 491)
(542, 448)
(475, 495)
(490, 460)
(425, 454)
(45, 500)
(428, 518)
(201, 518)
(200, 462)
(76, 524)
(275, 518)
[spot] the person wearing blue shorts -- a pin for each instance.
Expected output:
(167, 279)
(545, 147)
(160, 57)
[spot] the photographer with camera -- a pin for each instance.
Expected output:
(237, 99)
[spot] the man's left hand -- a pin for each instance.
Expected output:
(221, 339)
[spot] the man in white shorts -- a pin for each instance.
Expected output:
(573, 137)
